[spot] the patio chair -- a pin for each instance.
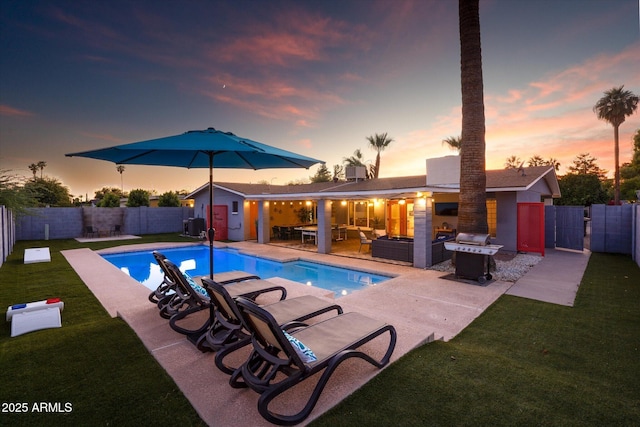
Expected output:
(286, 233)
(90, 232)
(364, 240)
(189, 298)
(281, 360)
(116, 230)
(229, 332)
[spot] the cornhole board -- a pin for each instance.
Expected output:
(34, 255)
(34, 316)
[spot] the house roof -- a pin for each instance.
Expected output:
(497, 181)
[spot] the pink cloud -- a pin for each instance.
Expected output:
(305, 143)
(273, 98)
(6, 110)
(551, 117)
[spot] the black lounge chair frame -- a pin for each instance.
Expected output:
(168, 287)
(229, 333)
(273, 357)
(186, 301)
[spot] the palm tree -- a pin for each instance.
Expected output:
(472, 212)
(453, 142)
(536, 161)
(513, 162)
(120, 169)
(41, 165)
(613, 108)
(357, 160)
(34, 169)
(378, 143)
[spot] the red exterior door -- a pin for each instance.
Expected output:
(220, 223)
(530, 227)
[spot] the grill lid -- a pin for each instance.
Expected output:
(473, 239)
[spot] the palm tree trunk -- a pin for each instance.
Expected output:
(616, 175)
(472, 213)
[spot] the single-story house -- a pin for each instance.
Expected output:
(415, 207)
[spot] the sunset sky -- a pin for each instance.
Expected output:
(312, 77)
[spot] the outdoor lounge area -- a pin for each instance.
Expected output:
(381, 248)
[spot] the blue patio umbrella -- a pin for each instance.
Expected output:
(202, 149)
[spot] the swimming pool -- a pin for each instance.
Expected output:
(195, 261)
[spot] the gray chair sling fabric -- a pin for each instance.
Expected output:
(275, 366)
(229, 333)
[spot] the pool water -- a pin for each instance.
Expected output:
(195, 261)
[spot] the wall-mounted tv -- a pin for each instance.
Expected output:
(446, 209)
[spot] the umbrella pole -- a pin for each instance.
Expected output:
(210, 230)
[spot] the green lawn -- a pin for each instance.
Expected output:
(94, 365)
(521, 363)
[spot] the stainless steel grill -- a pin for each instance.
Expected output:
(472, 255)
(473, 243)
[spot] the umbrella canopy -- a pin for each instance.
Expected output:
(202, 149)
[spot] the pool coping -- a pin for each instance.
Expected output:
(419, 303)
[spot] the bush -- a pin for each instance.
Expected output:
(169, 199)
(109, 200)
(138, 198)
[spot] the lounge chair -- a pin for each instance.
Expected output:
(167, 287)
(279, 362)
(229, 333)
(363, 240)
(189, 298)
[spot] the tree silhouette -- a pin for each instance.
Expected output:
(613, 108)
(41, 165)
(34, 168)
(120, 169)
(378, 143)
(513, 162)
(453, 142)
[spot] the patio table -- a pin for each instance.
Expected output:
(309, 231)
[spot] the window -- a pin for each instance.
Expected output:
(492, 216)
(234, 208)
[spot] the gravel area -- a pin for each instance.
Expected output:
(508, 268)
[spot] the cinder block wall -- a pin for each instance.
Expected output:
(69, 223)
(63, 223)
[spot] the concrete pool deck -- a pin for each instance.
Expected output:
(418, 303)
